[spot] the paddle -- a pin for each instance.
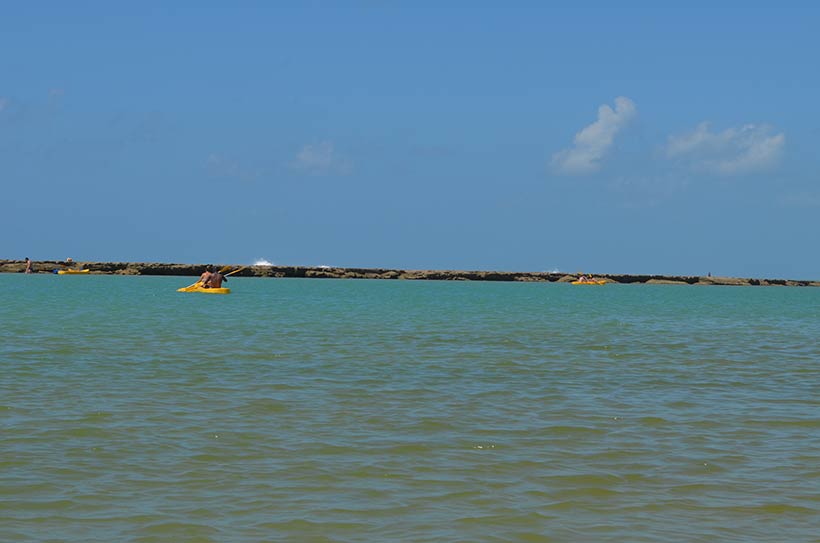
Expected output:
(189, 287)
(235, 271)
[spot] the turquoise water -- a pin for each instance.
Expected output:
(349, 410)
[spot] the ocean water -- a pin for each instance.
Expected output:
(358, 410)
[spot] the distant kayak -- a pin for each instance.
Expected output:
(197, 288)
(593, 282)
(71, 272)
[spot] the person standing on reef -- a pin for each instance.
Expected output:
(205, 278)
(28, 265)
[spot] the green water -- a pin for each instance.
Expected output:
(347, 411)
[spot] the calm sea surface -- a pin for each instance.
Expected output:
(360, 410)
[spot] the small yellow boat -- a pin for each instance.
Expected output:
(197, 288)
(72, 272)
(590, 282)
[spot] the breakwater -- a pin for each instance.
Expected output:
(326, 272)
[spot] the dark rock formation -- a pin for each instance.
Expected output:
(326, 272)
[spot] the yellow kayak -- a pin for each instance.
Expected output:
(71, 272)
(197, 288)
(593, 282)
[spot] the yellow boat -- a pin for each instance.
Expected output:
(590, 282)
(71, 272)
(197, 288)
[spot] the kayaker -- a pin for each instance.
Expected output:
(216, 280)
(205, 278)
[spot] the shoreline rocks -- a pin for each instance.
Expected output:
(325, 272)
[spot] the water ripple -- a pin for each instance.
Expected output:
(352, 411)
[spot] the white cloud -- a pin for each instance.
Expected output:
(322, 159)
(592, 143)
(734, 151)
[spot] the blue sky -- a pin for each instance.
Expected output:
(636, 137)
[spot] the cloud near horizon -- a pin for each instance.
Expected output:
(322, 159)
(592, 143)
(748, 149)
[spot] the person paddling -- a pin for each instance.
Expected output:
(205, 278)
(216, 279)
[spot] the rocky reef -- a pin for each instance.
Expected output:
(325, 272)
